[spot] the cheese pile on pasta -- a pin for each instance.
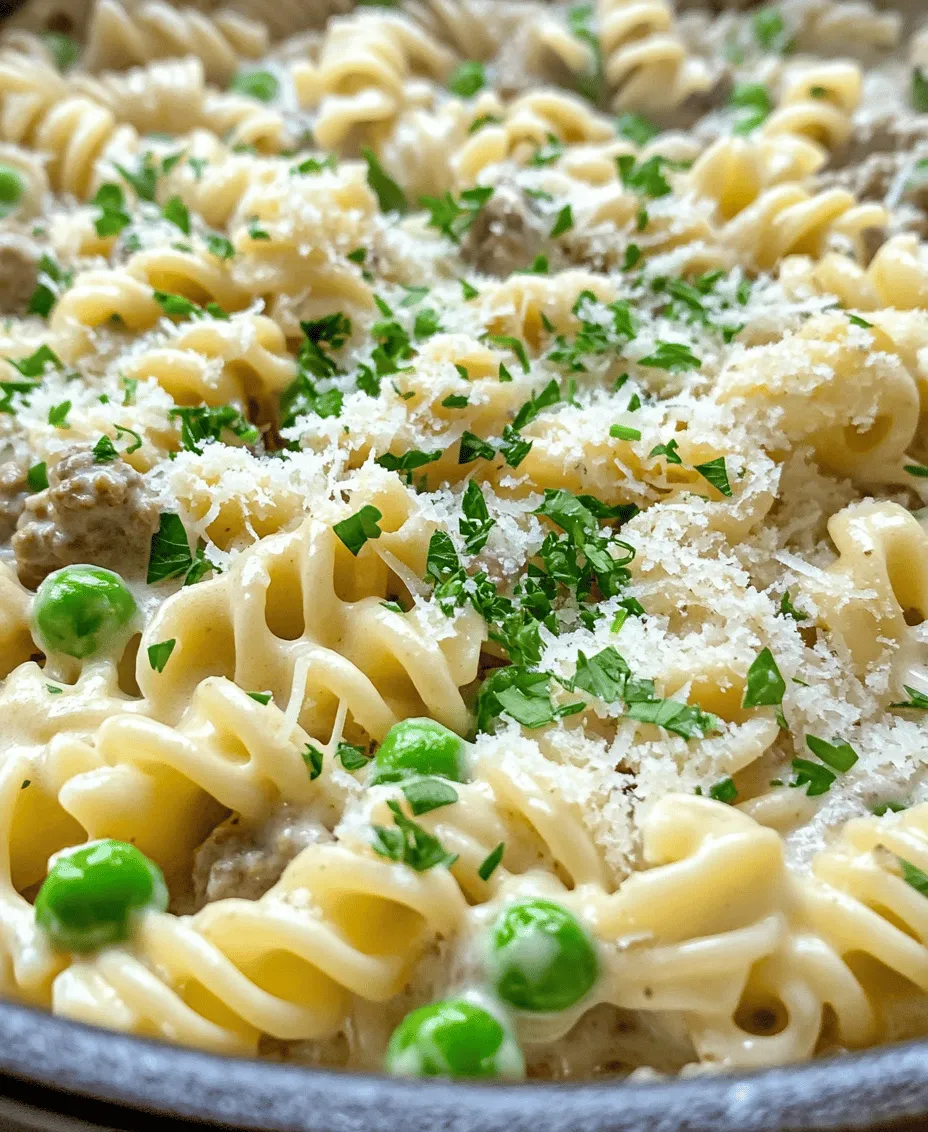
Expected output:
(463, 566)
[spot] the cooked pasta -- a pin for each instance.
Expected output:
(463, 543)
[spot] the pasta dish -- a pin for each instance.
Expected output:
(463, 530)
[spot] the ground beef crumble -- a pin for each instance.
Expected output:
(101, 514)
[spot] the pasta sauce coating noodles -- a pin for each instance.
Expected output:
(463, 540)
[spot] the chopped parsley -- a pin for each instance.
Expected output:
(592, 81)
(58, 415)
(636, 128)
(255, 231)
(219, 246)
(170, 555)
(37, 477)
(390, 196)
(474, 448)
(476, 524)
(352, 758)
(646, 179)
(160, 654)
(563, 222)
(914, 876)
(467, 79)
(715, 472)
(624, 432)
(262, 85)
(686, 720)
(51, 280)
(427, 794)
(770, 31)
(262, 698)
(209, 423)
(355, 531)
(408, 462)
(672, 356)
(787, 609)
(453, 217)
(918, 90)
(670, 452)
(491, 862)
(407, 842)
(917, 700)
(724, 791)
(314, 165)
(144, 180)
(754, 103)
(764, 686)
(312, 757)
(175, 211)
(104, 451)
(508, 342)
(113, 216)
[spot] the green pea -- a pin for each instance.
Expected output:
(90, 896)
(419, 746)
(543, 959)
(80, 609)
(12, 187)
(453, 1038)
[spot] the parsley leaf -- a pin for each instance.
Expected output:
(390, 196)
(352, 758)
(104, 451)
(476, 524)
(918, 90)
(427, 794)
(646, 179)
(491, 862)
(262, 85)
(37, 477)
(58, 415)
(917, 700)
(770, 31)
(312, 757)
(314, 165)
(724, 791)
(636, 128)
(686, 720)
(113, 217)
(672, 356)
(816, 777)
(219, 246)
(603, 675)
(474, 448)
(408, 462)
(839, 756)
(409, 843)
(669, 451)
(170, 555)
(160, 654)
(176, 212)
(764, 687)
(453, 217)
(144, 180)
(206, 422)
(563, 222)
(914, 876)
(467, 79)
(716, 473)
(624, 432)
(355, 531)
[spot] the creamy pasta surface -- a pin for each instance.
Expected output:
(463, 546)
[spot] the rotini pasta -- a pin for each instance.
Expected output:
(463, 563)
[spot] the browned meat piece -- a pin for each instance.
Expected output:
(873, 179)
(507, 234)
(245, 861)
(13, 492)
(697, 105)
(97, 513)
(889, 132)
(19, 266)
